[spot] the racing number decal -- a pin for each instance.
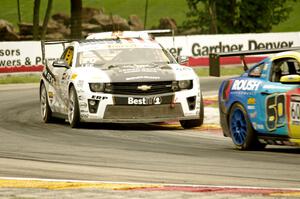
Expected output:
(69, 56)
(275, 111)
(295, 112)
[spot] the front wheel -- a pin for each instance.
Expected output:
(187, 124)
(73, 109)
(46, 112)
(242, 133)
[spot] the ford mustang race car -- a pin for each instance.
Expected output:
(262, 106)
(120, 80)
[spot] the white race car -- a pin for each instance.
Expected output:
(120, 80)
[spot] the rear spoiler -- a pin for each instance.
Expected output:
(214, 58)
(52, 42)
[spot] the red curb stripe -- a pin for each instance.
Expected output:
(223, 190)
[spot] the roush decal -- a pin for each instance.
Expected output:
(245, 85)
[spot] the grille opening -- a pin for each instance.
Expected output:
(141, 88)
(191, 102)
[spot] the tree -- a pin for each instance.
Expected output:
(236, 16)
(36, 19)
(76, 8)
(46, 19)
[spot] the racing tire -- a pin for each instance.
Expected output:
(46, 112)
(73, 109)
(188, 124)
(242, 133)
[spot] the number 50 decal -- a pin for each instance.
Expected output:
(275, 111)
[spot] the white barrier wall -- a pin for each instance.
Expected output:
(25, 56)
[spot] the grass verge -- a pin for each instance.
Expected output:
(228, 71)
(15, 79)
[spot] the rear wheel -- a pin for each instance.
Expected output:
(187, 124)
(242, 133)
(46, 112)
(73, 109)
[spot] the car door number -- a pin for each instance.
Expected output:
(275, 111)
(295, 112)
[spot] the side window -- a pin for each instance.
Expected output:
(257, 70)
(68, 55)
(282, 67)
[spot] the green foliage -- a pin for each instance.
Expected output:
(156, 9)
(237, 16)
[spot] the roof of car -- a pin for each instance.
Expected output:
(120, 34)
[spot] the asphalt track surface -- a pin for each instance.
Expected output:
(148, 153)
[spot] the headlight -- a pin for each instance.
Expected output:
(97, 87)
(185, 84)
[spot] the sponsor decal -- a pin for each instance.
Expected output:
(99, 97)
(251, 101)
(81, 97)
(295, 98)
(253, 115)
(295, 113)
(74, 76)
(83, 104)
(251, 107)
(51, 95)
(254, 125)
(260, 126)
(49, 76)
(84, 115)
(273, 87)
(245, 85)
(80, 83)
(142, 77)
(144, 100)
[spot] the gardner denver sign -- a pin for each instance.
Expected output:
(198, 50)
(202, 45)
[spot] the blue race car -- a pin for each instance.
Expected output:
(262, 106)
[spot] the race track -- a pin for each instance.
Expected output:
(130, 153)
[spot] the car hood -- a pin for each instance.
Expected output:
(140, 73)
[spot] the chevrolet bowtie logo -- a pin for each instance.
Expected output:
(144, 87)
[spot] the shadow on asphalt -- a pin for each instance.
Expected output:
(283, 149)
(123, 126)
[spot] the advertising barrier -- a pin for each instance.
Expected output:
(26, 56)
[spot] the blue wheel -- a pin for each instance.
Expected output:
(238, 127)
(242, 133)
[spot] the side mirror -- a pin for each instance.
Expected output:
(60, 63)
(183, 60)
(290, 79)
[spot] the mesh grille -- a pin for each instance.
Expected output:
(143, 112)
(141, 88)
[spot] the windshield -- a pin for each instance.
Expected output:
(123, 56)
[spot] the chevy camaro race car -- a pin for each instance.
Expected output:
(120, 80)
(262, 106)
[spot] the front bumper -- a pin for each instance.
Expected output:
(116, 108)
